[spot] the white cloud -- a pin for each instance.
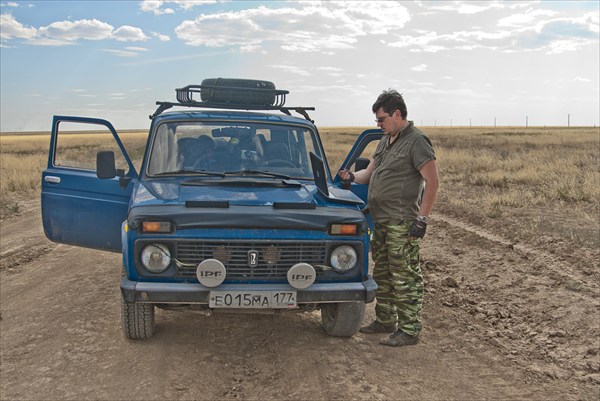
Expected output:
(472, 7)
(49, 42)
(11, 28)
(156, 6)
(312, 27)
(136, 49)
(63, 33)
(293, 70)
(82, 29)
(569, 80)
(122, 53)
(420, 67)
(466, 40)
(128, 33)
(161, 37)
(531, 30)
(565, 45)
(250, 48)
(525, 19)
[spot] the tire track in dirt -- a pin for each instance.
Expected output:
(560, 258)
(534, 306)
(22, 238)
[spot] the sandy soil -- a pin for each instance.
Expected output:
(502, 321)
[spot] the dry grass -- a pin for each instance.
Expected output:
(530, 182)
(23, 157)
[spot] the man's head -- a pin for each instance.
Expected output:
(390, 111)
(390, 101)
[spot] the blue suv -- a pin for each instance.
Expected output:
(233, 207)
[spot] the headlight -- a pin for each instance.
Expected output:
(343, 258)
(156, 258)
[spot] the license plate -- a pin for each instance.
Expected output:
(252, 299)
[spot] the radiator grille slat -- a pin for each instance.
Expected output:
(274, 259)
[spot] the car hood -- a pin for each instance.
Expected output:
(240, 192)
(242, 204)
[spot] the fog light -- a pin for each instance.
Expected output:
(343, 258)
(156, 258)
(211, 273)
(301, 275)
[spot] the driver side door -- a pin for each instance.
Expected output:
(78, 208)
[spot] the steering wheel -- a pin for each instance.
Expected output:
(279, 163)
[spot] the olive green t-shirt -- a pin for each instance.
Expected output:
(396, 182)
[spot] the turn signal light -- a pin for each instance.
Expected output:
(156, 226)
(343, 229)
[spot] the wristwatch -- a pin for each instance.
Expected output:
(422, 218)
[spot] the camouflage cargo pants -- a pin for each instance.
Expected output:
(398, 274)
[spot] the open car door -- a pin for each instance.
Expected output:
(78, 208)
(358, 159)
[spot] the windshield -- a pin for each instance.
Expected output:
(201, 147)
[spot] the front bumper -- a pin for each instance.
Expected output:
(192, 293)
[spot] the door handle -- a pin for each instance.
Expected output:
(52, 179)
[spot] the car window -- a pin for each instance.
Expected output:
(186, 147)
(77, 145)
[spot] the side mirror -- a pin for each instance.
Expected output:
(105, 164)
(361, 163)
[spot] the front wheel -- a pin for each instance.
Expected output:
(343, 319)
(137, 319)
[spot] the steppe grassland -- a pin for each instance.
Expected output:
(23, 157)
(524, 180)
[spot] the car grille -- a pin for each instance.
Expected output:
(274, 258)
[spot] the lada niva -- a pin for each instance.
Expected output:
(228, 204)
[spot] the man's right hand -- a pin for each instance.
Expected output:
(346, 175)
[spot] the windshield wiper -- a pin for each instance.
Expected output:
(201, 172)
(267, 173)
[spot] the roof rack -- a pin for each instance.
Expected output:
(236, 94)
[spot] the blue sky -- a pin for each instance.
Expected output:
(457, 62)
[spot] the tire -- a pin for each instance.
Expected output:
(137, 319)
(343, 319)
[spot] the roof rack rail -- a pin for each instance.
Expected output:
(236, 94)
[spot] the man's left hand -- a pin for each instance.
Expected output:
(417, 229)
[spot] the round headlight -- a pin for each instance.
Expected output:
(343, 258)
(156, 258)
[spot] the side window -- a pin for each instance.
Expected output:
(369, 150)
(78, 143)
(364, 152)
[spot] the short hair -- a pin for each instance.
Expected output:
(390, 101)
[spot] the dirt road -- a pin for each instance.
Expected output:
(502, 321)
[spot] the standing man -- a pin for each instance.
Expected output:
(403, 163)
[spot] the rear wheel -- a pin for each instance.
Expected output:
(343, 319)
(137, 319)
